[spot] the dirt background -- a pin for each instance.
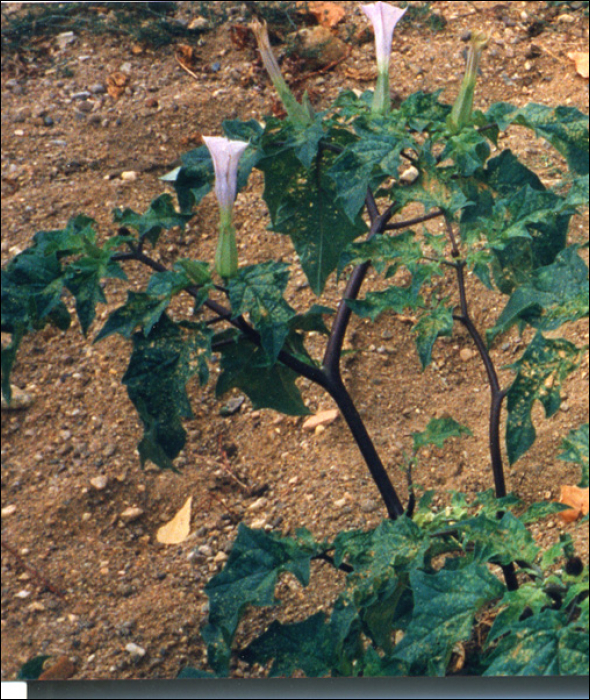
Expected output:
(82, 580)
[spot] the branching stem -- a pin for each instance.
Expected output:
(497, 393)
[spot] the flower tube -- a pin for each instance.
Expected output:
(226, 156)
(383, 17)
(301, 115)
(463, 106)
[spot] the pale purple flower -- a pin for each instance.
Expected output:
(226, 156)
(383, 17)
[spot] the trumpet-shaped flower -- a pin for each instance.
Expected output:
(301, 115)
(384, 18)
(226, 156)
(463, 106)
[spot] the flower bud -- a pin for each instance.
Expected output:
(463, 106)
(301, 115)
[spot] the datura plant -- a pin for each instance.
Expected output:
(336, 184)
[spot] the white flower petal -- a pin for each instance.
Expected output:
(226, 157)
(383, 17)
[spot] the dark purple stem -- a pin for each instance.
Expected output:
(498, 394)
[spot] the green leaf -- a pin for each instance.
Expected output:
(314, 646)
(579, 192)
(576, 450)
(445, 604)
(32, 669)
(189, 672)
(565, 128)
(422, 111)
(433, 325)
(541, 510)
(247, 367)
(555, 295)
(258, 290)
(512, 606)
(249, 577)
(541, 372)
(304, 646)
(197, 272)
(395, 299)
(381, 560)
(381, 250)
(305, 208)
(541, 645)
(391, 546)
(32, 287)
(469, 150)
(438, 431)
(159, 369)
(312, 320)
(141, 309)
(78, 234)
(367, 163)
(83, 279)
(500, 541)
(193, 179)
(435, 188)
(563, 548)
(160, 216)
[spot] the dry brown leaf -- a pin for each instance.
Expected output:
(328, 14)
(321, 418)
(116, 83)
(241, 36)
(186, 54)
(61, 670)
(178, 529)
(582, 62)
(577, 499)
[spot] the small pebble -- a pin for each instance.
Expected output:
(135, 650)
(129, 176)
(130, 515)
(410, 175)
(9, 510)
(369, 506)
(258, 504)
(99, 482)
(467, 354)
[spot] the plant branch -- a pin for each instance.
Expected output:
(498, 395)
(330, 560)
(397, 225)
(328, 378)
(302, 368)
(339, 327)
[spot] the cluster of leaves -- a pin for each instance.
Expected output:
(514, 230)
(416, 591)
